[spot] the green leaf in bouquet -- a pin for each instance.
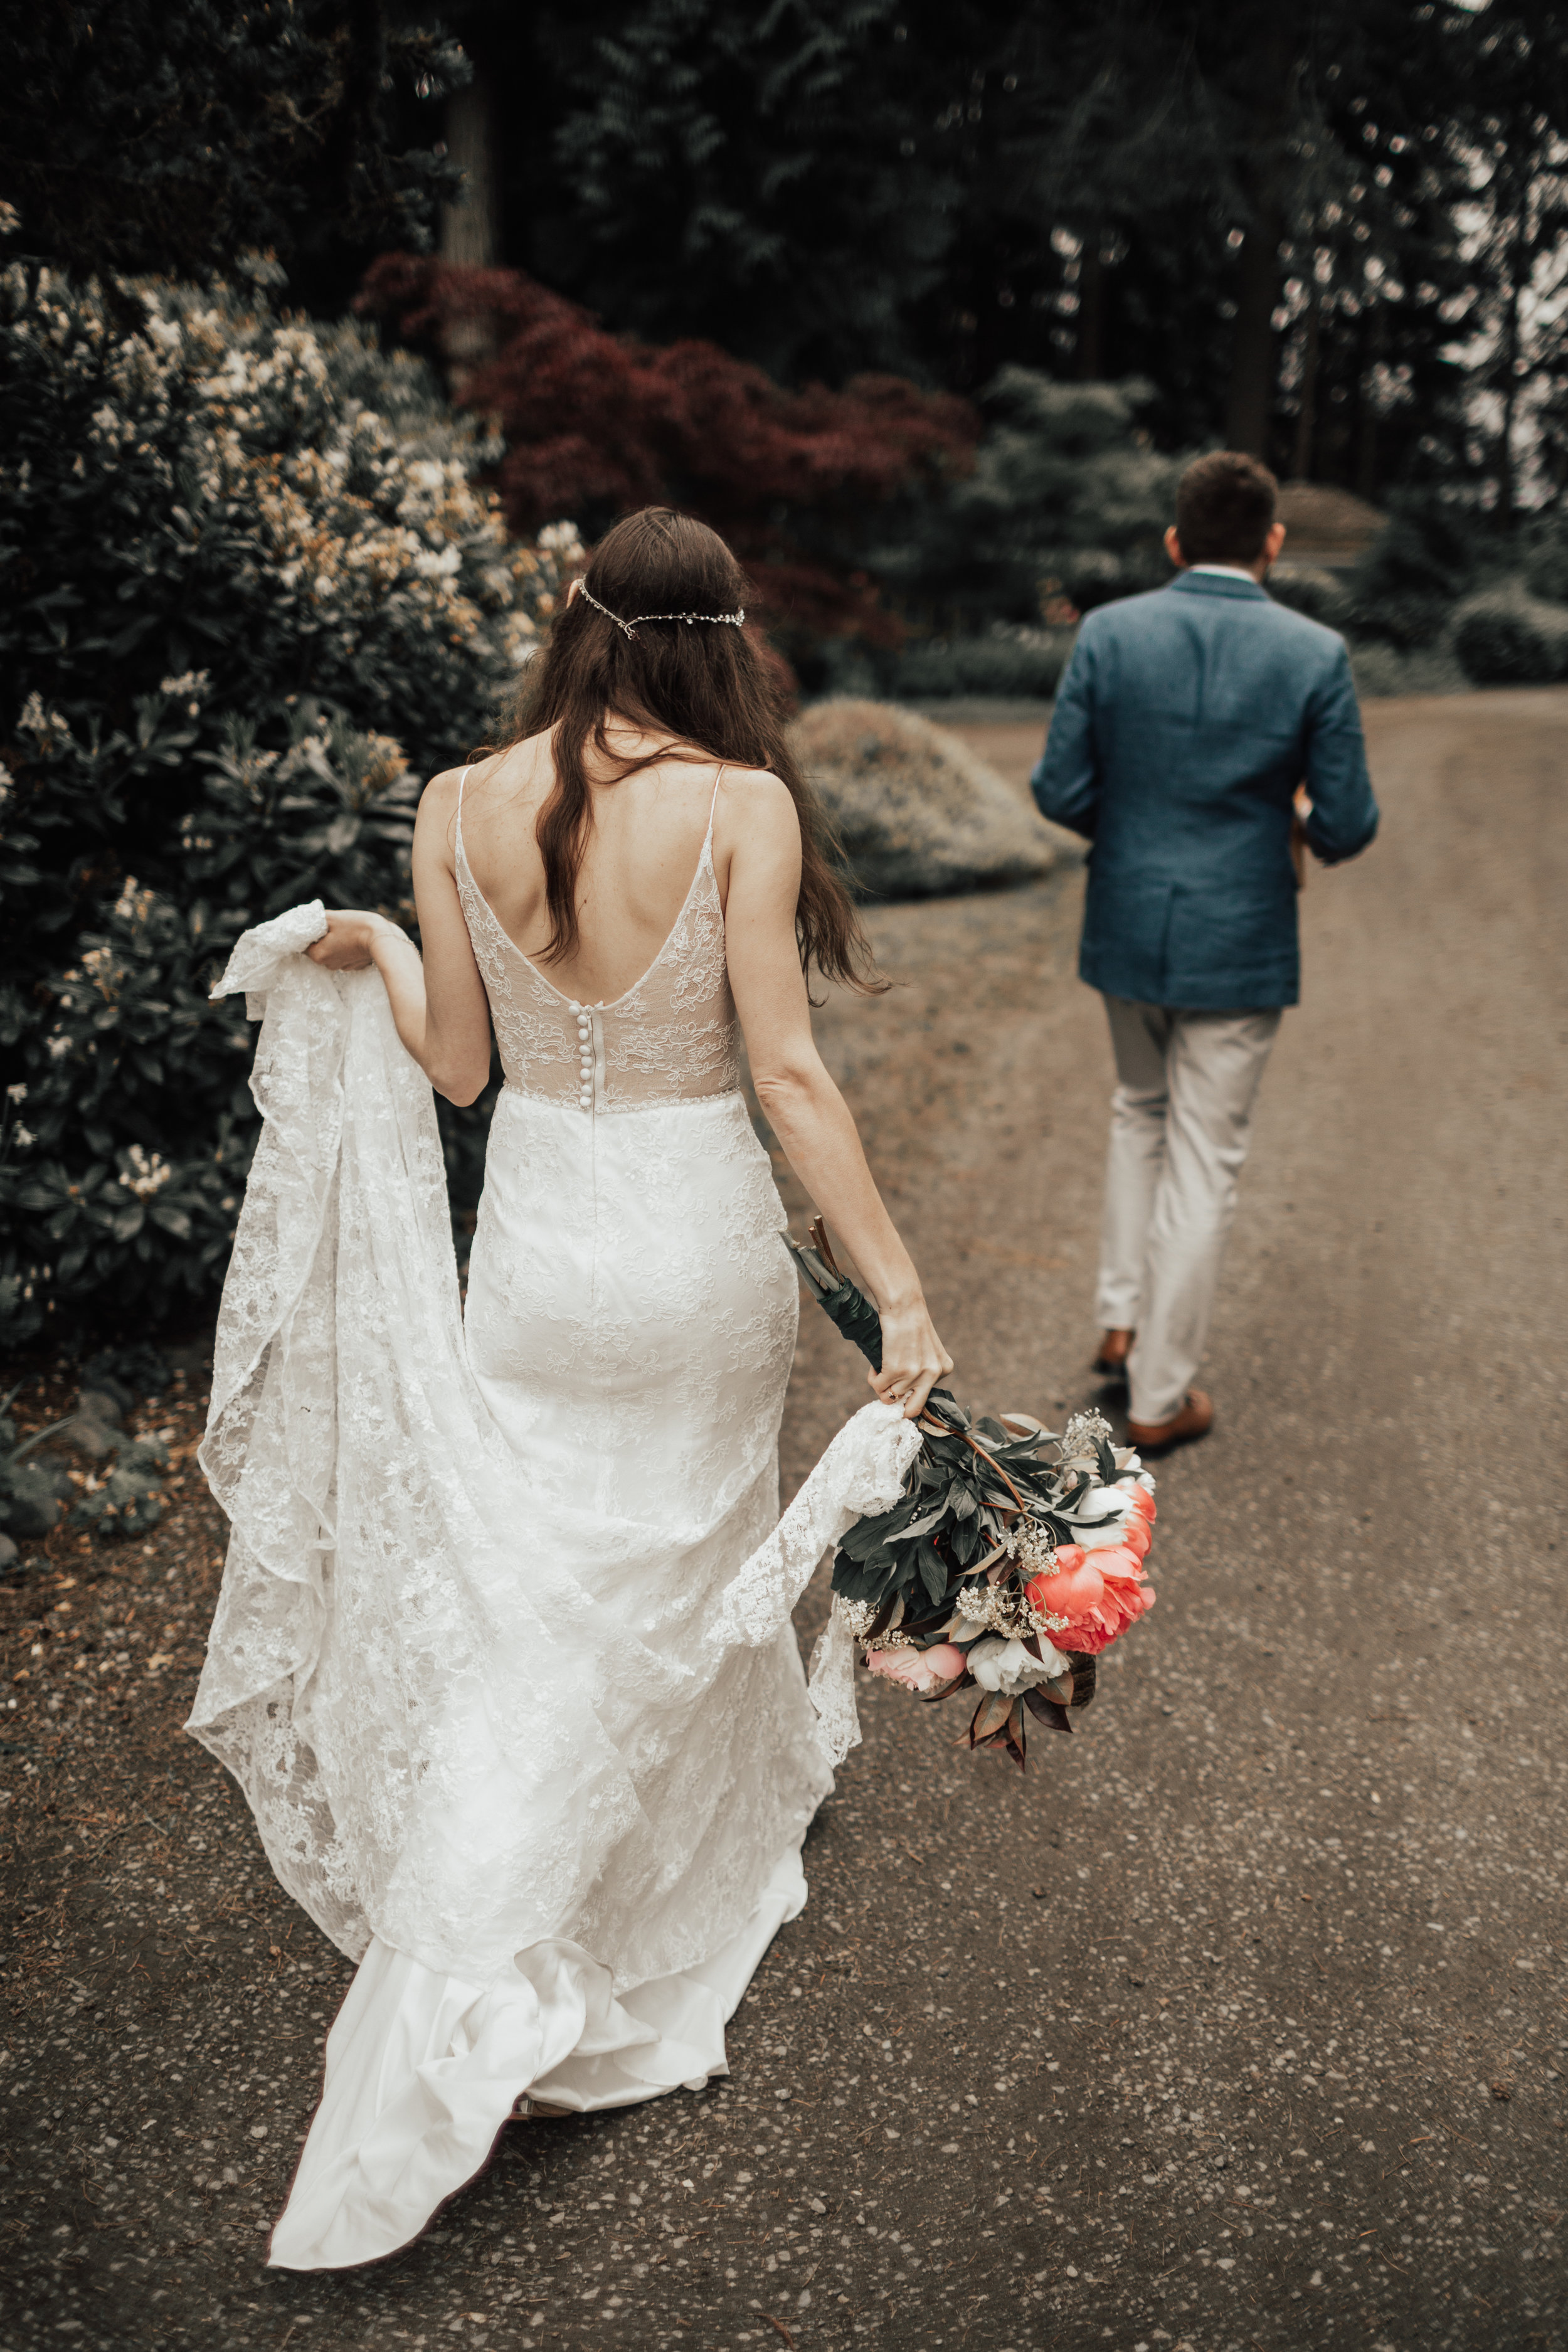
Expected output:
(866, 1537)
(1107, 1461)
(872, 1577)
(926, 1519)
(1050, 1711)
(886, 1526)
(967, 1539)
(933, 1570)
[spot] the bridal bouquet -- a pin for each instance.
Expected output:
(1006, 1567)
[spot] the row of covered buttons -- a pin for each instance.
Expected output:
(584, 1056)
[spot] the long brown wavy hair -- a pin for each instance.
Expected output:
(703, 688)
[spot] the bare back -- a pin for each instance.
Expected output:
(685, 901)
(639, 861)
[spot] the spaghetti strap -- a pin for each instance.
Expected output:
(457, 828)
(712, 805)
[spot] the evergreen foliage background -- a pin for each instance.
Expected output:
(171, 135)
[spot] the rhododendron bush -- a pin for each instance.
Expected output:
(596, 422)
(1012, 1559)
(253, 597)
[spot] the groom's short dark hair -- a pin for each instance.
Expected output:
(1224, 508)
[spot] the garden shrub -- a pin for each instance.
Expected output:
(1546, 557)
(1022, 663)
(597, 422)
(253, 597)
(1317, 593)
(1431, 552)
(916, 812)
(1381, 669)
(1064, 508)
(1508, 638)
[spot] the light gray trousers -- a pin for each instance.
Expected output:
(1180, 1122)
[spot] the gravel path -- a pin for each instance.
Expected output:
(1240, 2021)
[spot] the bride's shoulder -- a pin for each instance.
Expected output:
(440, 794)
(445, 788)
(750, 794)
(756, 826)
(467, 783)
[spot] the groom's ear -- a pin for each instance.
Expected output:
(1173, 549)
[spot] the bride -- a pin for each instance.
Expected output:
(502, 1659)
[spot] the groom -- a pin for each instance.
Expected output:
(1185, 725)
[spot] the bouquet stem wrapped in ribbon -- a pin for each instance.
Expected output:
(1013, 1558)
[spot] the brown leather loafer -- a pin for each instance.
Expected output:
(1114, 1348)
(1196, 1419)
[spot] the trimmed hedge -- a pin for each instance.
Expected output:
(1508, 637)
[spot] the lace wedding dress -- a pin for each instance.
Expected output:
(503, 1658)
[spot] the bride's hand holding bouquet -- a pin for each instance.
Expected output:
(914, 1358)
(999, 1570)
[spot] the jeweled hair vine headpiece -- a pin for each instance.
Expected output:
(630, 628)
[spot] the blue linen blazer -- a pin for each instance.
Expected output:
(1184, 721)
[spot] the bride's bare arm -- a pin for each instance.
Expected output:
(807, 1111)
(438, 1004)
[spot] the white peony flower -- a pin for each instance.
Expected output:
(1096, 1504)
(1007, 1668)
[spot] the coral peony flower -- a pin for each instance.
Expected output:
(1074, 1588)
(919, 1670)
(1123, 1561)
(1008, 1668)
(1123, 1605)
(1140, 1495)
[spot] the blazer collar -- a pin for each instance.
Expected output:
(1216, 583)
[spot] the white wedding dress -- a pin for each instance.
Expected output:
(502, 1659)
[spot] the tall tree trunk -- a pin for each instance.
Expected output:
(1092, 312)
(469, 230)
(1253, 357)
(1373, 343)
(1307, 414)
(1366, 453)
(1507, 485)
(1268, 85)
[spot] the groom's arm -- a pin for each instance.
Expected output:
(1343, 816)
(1065, 783)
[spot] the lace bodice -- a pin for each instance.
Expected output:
(671, 1037)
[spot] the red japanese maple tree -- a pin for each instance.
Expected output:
(596, 422)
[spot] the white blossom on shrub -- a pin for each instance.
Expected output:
(266, 594)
